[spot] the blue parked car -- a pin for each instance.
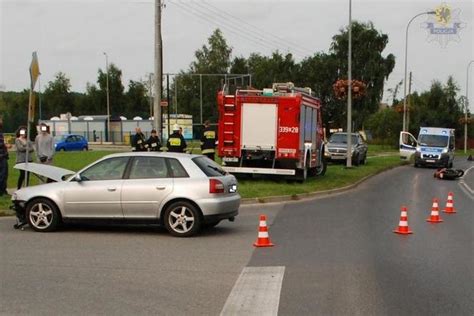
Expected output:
(70, 142)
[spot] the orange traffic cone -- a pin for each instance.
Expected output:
(403, 224)
(434, 217)
(263, 239)
(449, 209)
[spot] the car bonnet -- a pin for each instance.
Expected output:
(50, 172)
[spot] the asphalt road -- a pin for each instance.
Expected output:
(339, 255)
(342, 258)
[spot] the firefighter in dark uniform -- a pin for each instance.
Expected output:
(139, 141)
(176, 142)
(154, 143)
(208, 141)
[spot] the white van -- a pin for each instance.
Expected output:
(434, 146)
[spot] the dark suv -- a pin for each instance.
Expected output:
(336, 148)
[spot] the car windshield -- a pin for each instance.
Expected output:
(433, 140)
(209, 167)
(342, 138)
(59, 138)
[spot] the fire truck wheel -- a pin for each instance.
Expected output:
(318, 171)
(321, 170)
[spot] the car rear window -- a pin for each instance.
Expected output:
(209, 167)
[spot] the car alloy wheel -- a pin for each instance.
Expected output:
(182, 219)
(42, 215)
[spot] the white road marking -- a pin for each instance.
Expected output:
(465, 187)
(256, 292)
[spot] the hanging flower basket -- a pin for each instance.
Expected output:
(341, 87)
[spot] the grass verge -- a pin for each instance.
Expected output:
(337, 176)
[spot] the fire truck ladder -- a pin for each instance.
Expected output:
(229, 125)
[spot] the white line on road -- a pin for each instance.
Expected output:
(465, 187)
(256, 292)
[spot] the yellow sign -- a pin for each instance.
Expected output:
(34, 70)
(210, 134)
(175, 141)
(443, 14)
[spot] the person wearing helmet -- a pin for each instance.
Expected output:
(176, 142)
(208, 141)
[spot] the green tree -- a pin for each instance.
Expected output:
(116, 89)
(137, 101)
(57, 98)
(14, 109)
(92, 103)
(213, 58)
(268, 70)
(368, 65)
(440, 107)
(385, 126)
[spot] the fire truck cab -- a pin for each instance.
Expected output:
(271, 131)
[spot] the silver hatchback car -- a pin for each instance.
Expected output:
(180, 191)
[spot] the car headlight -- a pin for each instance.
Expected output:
(418, 149)
(445, 150)
(14, 197)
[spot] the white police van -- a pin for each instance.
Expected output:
(434, 147)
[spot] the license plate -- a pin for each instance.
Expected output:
(338, 157)
(431, 160)
(230, 159)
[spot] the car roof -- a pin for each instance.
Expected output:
(154, 154)
(66, 135)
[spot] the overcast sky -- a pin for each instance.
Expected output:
(71, 35)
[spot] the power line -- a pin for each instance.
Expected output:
(252, 27)
(230, 27)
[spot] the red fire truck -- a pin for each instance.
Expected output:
(271, 131)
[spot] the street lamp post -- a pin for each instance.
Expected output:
(406, 67)
(108, 96)
(466, 105)
(349, 92)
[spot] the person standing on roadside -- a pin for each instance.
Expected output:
(44, 145)
(208, 141)
(154, 143)
(139, 141)
(22, 146)
(3, 162)
(176, 142)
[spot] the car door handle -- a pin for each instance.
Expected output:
(111, 189)
(161, 187)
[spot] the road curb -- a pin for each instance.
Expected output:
(310, 195)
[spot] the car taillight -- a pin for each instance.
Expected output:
(216, 186)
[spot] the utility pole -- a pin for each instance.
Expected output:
(349, 92)
(409, 104)
(169, 103)
(200, 96)
(150, 92)
(108, 96)
(158, 68)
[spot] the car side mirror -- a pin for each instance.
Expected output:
(451, 147)
(78, 178)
